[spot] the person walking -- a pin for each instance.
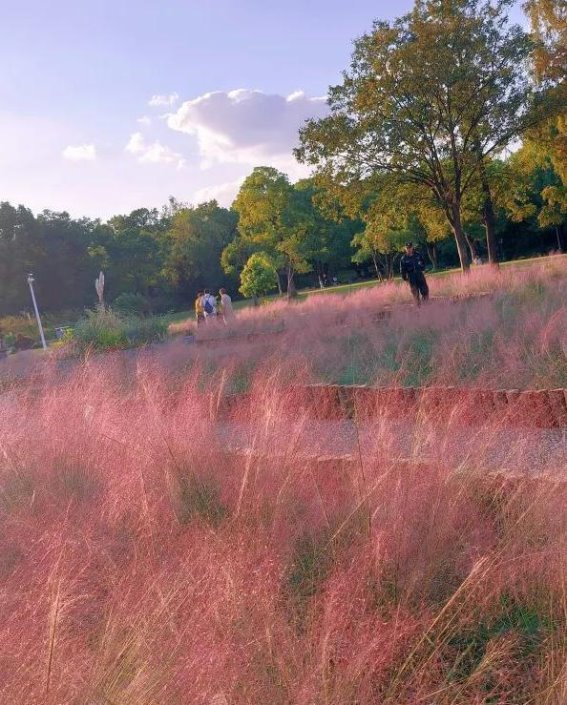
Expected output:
(209, 305)
(199, 311)
(226, 306)
(412, 267)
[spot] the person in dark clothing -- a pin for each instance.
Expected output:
(411, 269)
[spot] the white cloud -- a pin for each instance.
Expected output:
(144, 120)
(157, 101)
(247, 126)
(223, 193)
(80, 153)
(152, 152)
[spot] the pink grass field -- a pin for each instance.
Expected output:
(154, 550)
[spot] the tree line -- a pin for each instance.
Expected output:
(448, 129)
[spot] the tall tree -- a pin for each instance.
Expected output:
(196, 240)
(428, 98)
(275, 219)
(330, 231)
(21, 251)
(548, 143)
(535, 191)
(66, 273)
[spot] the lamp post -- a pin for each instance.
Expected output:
(38, 319)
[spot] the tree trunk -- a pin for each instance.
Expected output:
(291, 290)
(458, 232)
(488, 217)
(432, 253)
(558, 236)
(280, 290)
(376, 267)
(472, 247)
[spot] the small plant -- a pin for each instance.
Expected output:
(196, 498)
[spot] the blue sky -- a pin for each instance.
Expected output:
(230, 81)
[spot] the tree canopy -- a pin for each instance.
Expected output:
(428, 98)
(449, 120)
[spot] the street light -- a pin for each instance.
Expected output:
(37, 318)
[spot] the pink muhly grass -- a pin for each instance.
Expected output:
(164, 541)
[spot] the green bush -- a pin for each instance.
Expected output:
(140, 331)
(131, 305)
(100, 329)
(103, 329)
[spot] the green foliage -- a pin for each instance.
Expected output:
(412, 144)
(309, 566)
(11, 325)
(276, 219)
(513, 620)
(258, 276)
(100, 329)
(427, 98)
(130, 304)
(195, 243)
(140, 331)
(195, 498)
(103, 329)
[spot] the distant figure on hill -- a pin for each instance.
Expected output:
(199, 311)
(411, 269)
(226, 306)
(209, 305)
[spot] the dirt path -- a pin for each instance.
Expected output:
(510, 450)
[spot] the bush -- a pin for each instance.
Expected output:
(100, 329)
(26, 325)
(103, 329)
(258, 276)
(140, 331)
(131, 305)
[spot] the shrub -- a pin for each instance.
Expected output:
(128, 304)
(103, 329)
(140, 331)
(100, 329)
(258, 276)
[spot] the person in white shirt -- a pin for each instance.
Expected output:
(209, 306)
(226, 306)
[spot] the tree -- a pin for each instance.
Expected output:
(547, 145)
(66, 272)
(275, 219)
(428, 98)
(133, 249)
(391, 212)
(549, 25)
(330, 231)
(21, 252)
(258, 276)
(195, 241)
(534, 190)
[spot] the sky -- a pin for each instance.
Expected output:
(111, 105)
